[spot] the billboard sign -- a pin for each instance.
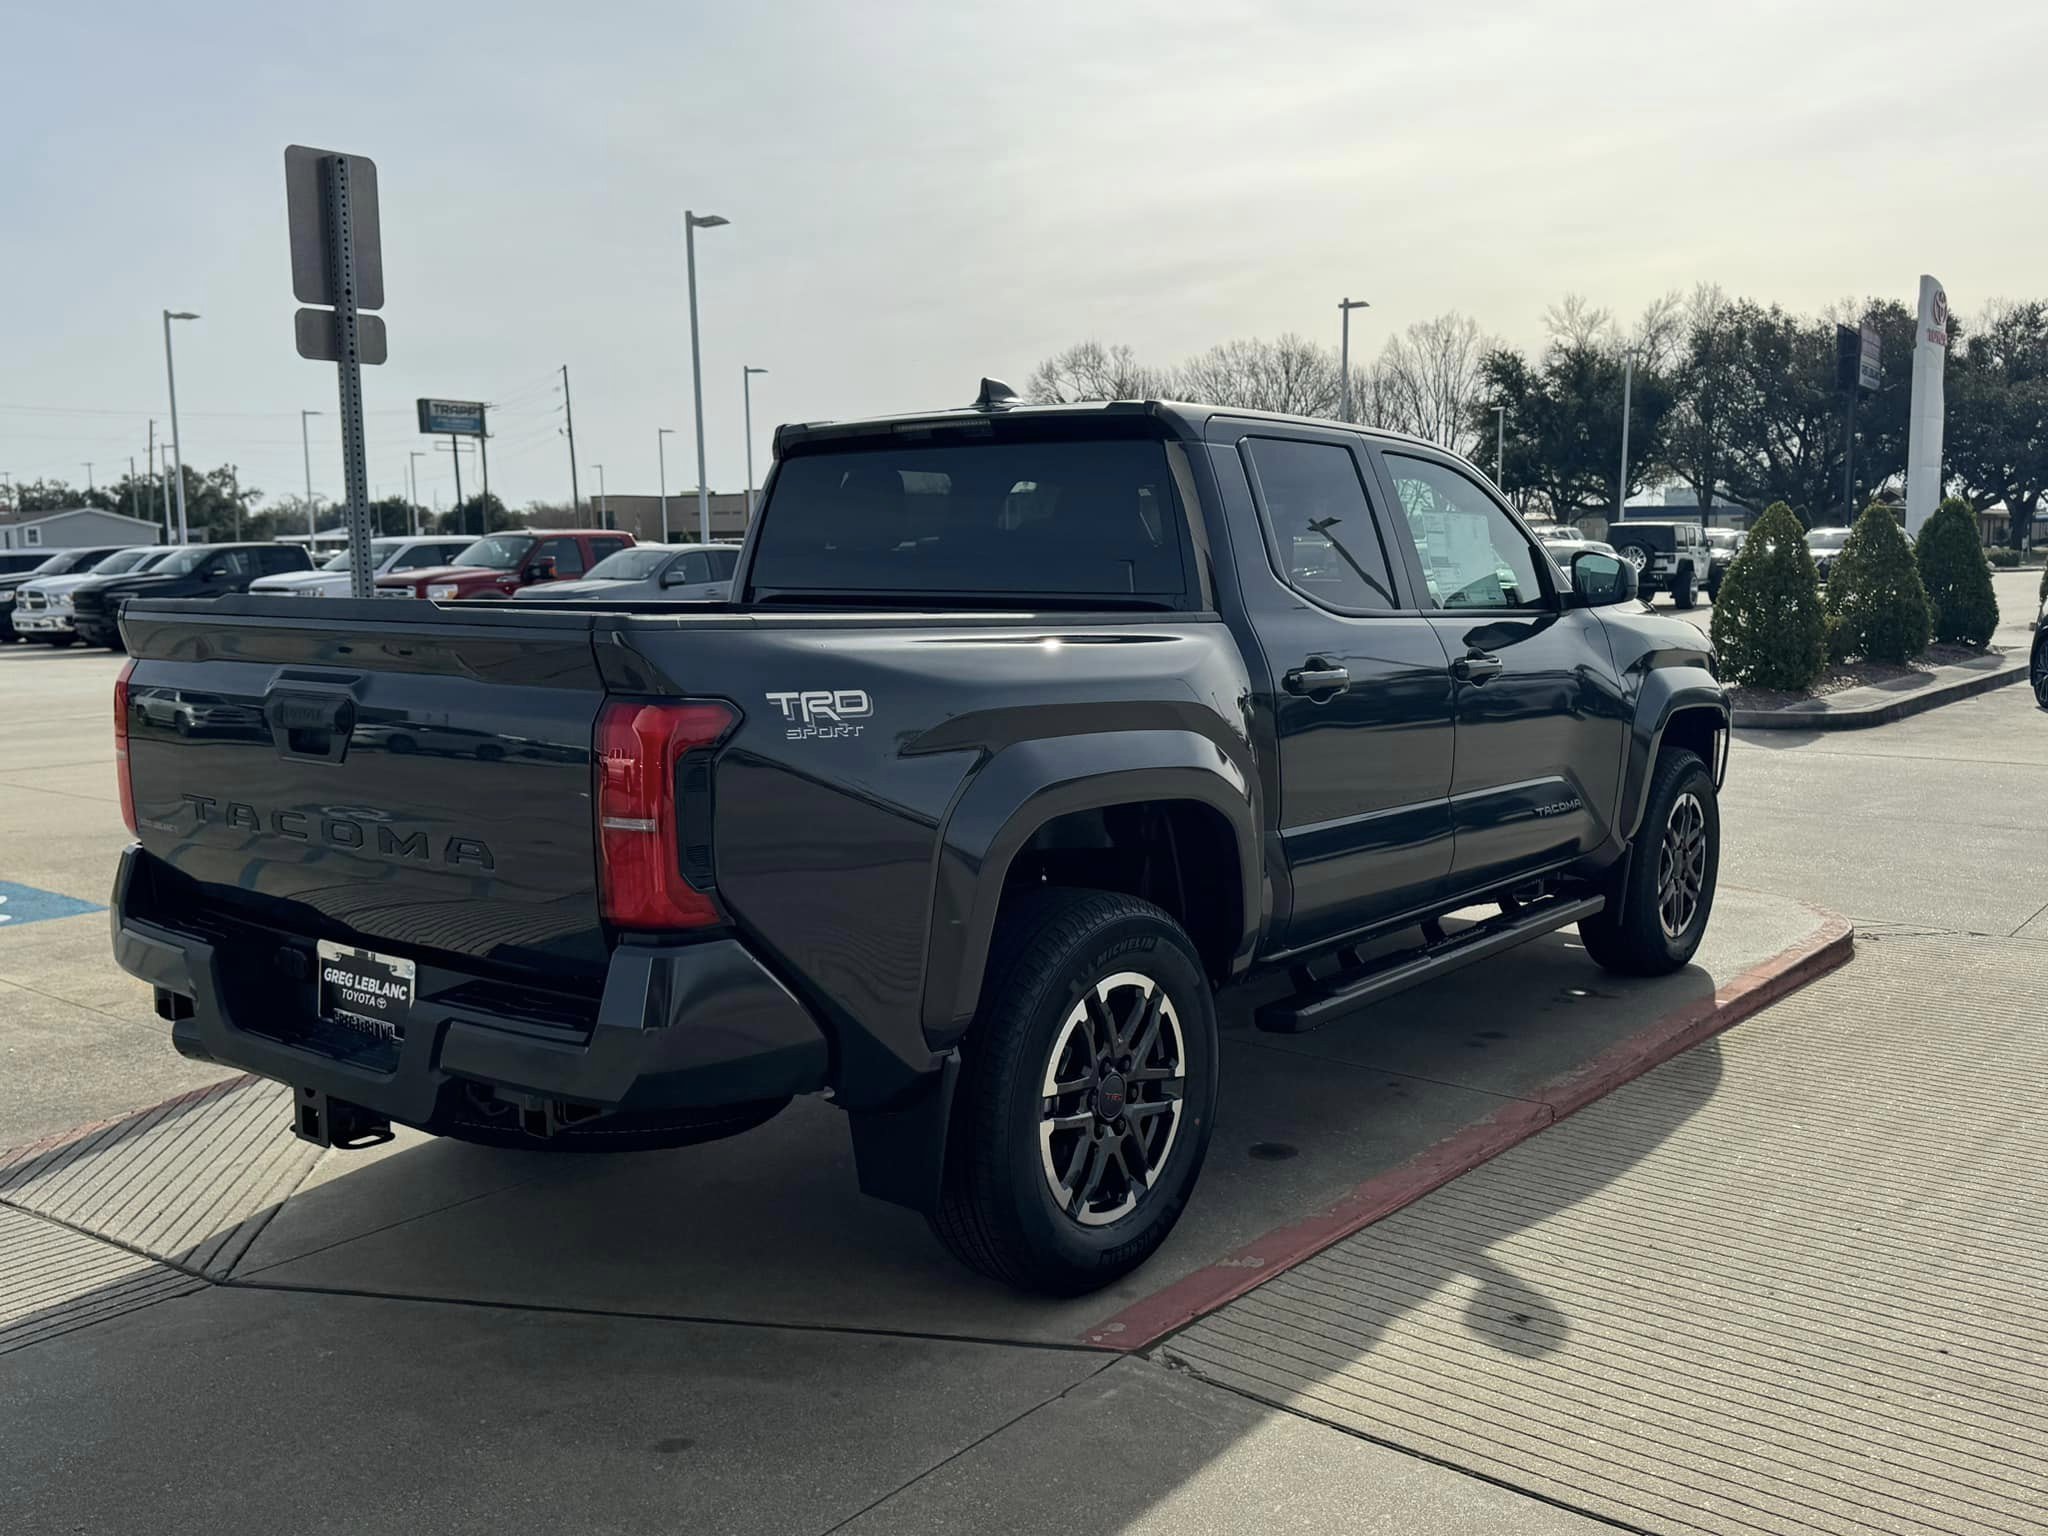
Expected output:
(459, 418)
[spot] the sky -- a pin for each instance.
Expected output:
(921, 194)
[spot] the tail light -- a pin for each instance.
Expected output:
(653, 812)
(121, 745)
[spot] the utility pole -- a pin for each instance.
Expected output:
(483, 454)
(1344, 307)
(134, 492)
(604, 508)
(691, 224)
(1849, 458)
(88, 476)
(661, 437)
(413, 470)
(1628, 379)
(306, 452)
(152, 480)
(747, 392)
(569, 413)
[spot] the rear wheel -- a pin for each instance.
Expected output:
(1660, 897)
(1086, 1096)
(2040, 672)
(1685, 588)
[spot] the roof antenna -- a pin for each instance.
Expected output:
(995, 396)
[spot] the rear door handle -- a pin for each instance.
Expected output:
(1316, 676)
(1476, 667)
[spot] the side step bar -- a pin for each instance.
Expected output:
(1437, 956)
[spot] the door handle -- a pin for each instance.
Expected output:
(1476, 666)
(1316, 676)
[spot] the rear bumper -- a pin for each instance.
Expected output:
(676, 1029)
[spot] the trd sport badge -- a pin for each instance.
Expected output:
(823, 713)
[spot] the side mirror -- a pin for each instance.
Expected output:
(542, 569)
(1601, 580)
(674, 576)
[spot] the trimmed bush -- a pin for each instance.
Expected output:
(1959, 596)
(1875, 593)
(1769, 627)
(2005, 559)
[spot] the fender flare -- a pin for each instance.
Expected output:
(1022, 787)
(1667, 693)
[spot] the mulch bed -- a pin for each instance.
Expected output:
(1859, 674)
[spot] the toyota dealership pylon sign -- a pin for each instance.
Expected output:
(1923, 431)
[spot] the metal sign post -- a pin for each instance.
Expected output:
(337, 259)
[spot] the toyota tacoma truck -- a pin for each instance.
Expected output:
(1024, 732)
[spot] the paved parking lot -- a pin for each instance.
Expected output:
(1691, 1306)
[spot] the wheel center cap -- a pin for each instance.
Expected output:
(1109, 1097)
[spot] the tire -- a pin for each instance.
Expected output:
(1714, 587)
(2039, 676)
(1067, 976)
(1685, 589)
(1631, 937)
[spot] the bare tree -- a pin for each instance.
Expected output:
(1659, 339)
(1428, 379)
(1090, 371)
(1578, 324)
(1290, 375)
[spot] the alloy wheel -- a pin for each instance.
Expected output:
(1682, 865)
(1111, 1098)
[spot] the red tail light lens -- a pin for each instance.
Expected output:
(641, 746)
(121, 745)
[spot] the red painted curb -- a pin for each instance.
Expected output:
(1144, 1323)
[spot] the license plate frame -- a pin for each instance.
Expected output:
(365, 993)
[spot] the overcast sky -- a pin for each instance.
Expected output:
(921, 194)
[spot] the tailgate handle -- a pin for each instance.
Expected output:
(311, 727)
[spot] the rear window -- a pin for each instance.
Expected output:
(1059, 517)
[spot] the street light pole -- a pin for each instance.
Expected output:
(306, 452)
(569, 415)
(747, 394)
(1345, 306)
(691, 224)
(1628, 378)
(661, 437)
(88, 475)
(1500, 445)
(412, 468)
(604, 508)
(177, 448)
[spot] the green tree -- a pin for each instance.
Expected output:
(1996, 441)
(1769, 627)
(1875, 595)
(478, 515)
(1959, 592)
(1563, 430)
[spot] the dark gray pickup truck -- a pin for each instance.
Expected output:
(1025, 731)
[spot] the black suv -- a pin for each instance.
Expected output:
(1668, 557)
(1024, 731)
(200, 570)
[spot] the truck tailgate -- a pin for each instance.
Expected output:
(410, 785)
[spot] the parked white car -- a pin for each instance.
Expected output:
(42, 608)
(330, 577)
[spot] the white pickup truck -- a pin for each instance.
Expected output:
(330, 578)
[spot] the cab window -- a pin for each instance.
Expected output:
(1322, 529)
(1473, 555)
(566, 553)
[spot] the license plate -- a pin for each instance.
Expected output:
(365, 993)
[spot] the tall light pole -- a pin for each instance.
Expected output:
(1500, 446)
(306, 451)
(177, 448)
(1344, 307)
(88, 475)
(691, 224)
(747, 394)
(413, 469)
(604, 509)
(1628, 379)
(661, 436)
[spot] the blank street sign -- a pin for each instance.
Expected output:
(306, 213)
(320, 340)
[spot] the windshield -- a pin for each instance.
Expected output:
(121, 560)
(500, 552)
(1827, 540)
(380, 551)
(635, 564)
(1060, 516)
(182, 562)
(56, 565)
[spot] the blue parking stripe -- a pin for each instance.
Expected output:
(25, 904)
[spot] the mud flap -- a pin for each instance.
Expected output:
(899, 1153)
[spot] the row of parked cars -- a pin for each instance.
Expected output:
(1678, 557)
(75, 595)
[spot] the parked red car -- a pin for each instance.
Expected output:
(499, 564)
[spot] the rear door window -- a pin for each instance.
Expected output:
(566, 553)
(1060, 516)
(723, 563)
(1322, 527)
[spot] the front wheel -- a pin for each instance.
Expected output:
(1685, 590)
(1659, 899)
(2040, 674)
(1086, 1097)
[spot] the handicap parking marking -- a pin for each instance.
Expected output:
(25, 904)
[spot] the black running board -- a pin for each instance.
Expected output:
(1315, 1006)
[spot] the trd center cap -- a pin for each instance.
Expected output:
(1109, 1097)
